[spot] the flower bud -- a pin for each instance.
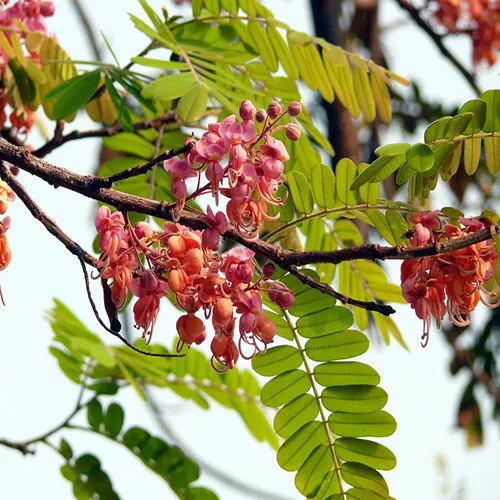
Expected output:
(148, 281)
(265, 329)
(260, 116)
(177, 280)
(247, 110)
(47, 9)
(193, 261)
(280, 295)
(222, 311)
(177, 245)
(293, 132)
(274, 109)
(268, 270)
(294, 108)
(143, 230)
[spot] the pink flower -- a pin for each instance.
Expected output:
(273, 148)
(218, 225)
(238, 265)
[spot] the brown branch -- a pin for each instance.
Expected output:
(22, 447)
(401, 252)
(328, 290)
(141, 169)
(438, 42)
(41, 216)
(89, 186)
(59, 140)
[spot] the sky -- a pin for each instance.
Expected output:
(34, 396)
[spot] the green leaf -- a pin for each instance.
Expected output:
(75, 94)
(300, 191)
(478, 109)
(377, 424)
(436, 129)
(160, 64)
(370, 191)
(472, 155)
(381, 96)
(285, 387)
(341, 345)
(65, 449)
(354, 398)
(345, 172)
(395, 149)
(193, 103)
(135, 437)
(277, 360)
(169, 87)
(108, 388)
(420, 158)
(310, 301)
(323, 185)
(120, 107)
(362, 494)
(113, 420)
(457, 125)
(295, 414)
(379, 170)
(295, 450)
(346, 373)
(94, 414)
(364, 94)
(492, 121)
(282, 52)
(324, 322)
(262, 44)
(361, 476)
(312, 472)
(130, 143)
(365, 452)
(84, 464)
(492, 153)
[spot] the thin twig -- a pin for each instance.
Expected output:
(57, 141)
(438, 41)
(328, 290)
(141, 169)
(41, 216)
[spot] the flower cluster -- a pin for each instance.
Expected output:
(31, 14)
(452, 282)
(184, 264)
(251, 162)
(6, 195)
(478, 18)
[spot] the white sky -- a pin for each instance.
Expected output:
(35, 396)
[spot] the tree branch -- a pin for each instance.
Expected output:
(438, 42)
(41, 216)
(89, 186)
(57, 141)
